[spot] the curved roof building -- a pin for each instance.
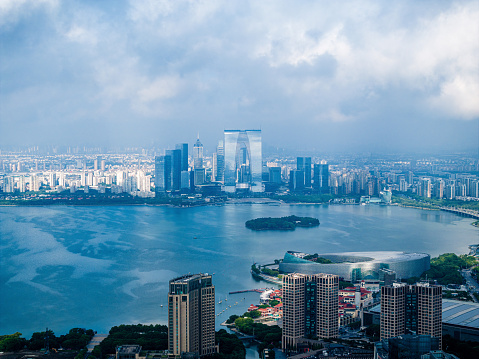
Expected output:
(357, 265)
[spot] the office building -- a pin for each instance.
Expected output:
(183, 147)
(191, 316)
(296, 180)
(219, 163)
(411, 308)
(198, 154)
(321, 177)
(310, 307)
(200, 176)
(162, 173)
(409, 346)
(243, 160)
(275, 175)
(303, 164)
(176, 165)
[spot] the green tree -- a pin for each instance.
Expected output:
(274, 302)
(12, 342)
(96, 352)
(232, 319)
(37, 340)
(230, 346)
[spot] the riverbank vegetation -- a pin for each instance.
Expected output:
(257, 271)
(284, 223)
(304, 198)
(412, 200)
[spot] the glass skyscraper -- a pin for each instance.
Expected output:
(243, 160)
(162, 173)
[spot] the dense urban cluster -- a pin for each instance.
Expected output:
(237, 167)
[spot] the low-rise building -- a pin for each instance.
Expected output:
(128, 352)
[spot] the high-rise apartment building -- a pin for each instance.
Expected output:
(191, 315)
(243, 160)
(310, 307)
(411, 308)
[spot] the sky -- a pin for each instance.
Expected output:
(312, 75)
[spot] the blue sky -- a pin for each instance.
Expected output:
(348, 75)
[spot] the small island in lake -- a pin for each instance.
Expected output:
(283, 224)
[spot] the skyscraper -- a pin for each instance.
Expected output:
(304, 164)
(198, 154)
(176, 164)
(219, 163)
(310, 307)
(411, 308)
(321, 177)
(162, 173)
(191, 315)
(243, 160)
(184, 155)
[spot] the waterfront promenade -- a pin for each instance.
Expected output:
(462, 212)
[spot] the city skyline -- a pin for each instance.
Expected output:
(365, 75)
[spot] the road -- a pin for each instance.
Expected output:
(471, 283)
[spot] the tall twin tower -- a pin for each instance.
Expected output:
(237, 164)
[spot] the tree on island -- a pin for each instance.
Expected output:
(284, 223)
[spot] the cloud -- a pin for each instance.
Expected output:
(176, 66)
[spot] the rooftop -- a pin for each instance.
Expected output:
(460, 313)
(373, 257)
(187, 277)
(454, 312)
(128, 349)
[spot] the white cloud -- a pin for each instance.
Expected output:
(81, 35)
(459, 97)
(161, 88)
(322, 62)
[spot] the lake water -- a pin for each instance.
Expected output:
(95, 267)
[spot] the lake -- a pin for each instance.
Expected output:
(99, 266)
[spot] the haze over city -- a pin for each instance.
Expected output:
(361, 75)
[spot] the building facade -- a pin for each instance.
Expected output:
(411, 308)
(191, 316)
(310, 307)
(163, 173)
(243, 160)
(321, 177)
